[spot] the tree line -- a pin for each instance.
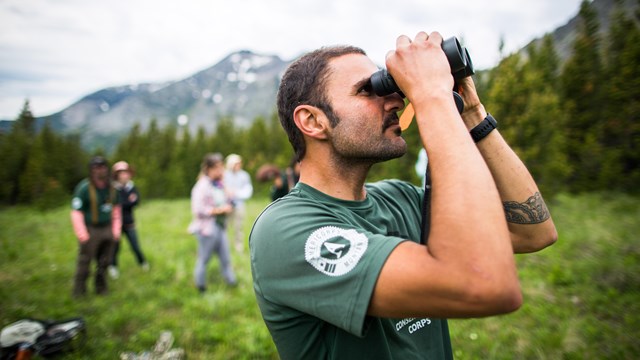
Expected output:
(575, 123)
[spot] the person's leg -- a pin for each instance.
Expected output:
(132, 236)
(222, 249)
(238, 222)
(205, 248)
(103, 256)
(85, 254)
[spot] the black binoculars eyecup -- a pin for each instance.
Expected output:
(467, 69)
(455, 54)
(382, 83)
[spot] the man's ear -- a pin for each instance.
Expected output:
(311, 121)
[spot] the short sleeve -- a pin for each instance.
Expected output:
(325, 267)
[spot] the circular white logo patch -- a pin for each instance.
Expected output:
(76, 203)
(334, 251)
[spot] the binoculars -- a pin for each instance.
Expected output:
(459, 61)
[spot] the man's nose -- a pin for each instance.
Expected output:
(394, 102)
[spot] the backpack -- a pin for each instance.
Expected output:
(46, 338)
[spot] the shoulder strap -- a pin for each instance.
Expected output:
(93, 198)
(426, 208)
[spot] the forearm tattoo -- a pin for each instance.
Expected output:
(532, 211)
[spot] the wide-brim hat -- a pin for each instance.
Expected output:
(121, 166)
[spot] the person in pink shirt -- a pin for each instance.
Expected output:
(210, 207)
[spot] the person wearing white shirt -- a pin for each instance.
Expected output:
(237, 183)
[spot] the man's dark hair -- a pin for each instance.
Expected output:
(97, 161)
(304, 83)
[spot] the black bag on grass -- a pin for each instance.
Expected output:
(46, 338)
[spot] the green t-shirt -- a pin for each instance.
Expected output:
(315, 261)
(105, 199)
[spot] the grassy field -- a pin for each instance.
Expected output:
(581, 295)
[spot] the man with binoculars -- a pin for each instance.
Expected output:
(339, 267)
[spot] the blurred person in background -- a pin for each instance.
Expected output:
(237, 183)
(421, 166)
(96, 217)
(129, 198)
(285, 181)
(210, 207)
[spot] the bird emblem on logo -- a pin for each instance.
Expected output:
(335, 249)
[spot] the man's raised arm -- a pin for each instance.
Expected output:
(528, 218)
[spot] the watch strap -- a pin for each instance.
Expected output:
(487, 125)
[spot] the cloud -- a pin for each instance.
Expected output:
(55, 52)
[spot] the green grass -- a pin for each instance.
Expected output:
(581, 295)
(37, 262)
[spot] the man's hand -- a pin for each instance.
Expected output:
(474, 112)
(224, 209)
(420, 67)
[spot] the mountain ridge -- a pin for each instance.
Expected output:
(243, 86)
(222, 90)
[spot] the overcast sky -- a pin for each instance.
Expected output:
(54, 52)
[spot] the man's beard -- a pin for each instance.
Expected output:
(350, 147)
(101, 180)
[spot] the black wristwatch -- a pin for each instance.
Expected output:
(484, 128)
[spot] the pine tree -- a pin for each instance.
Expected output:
(279, 150)
(186, 165)
(33, 179)
(70, 162)
(620, 136)
(15, 148)
(522, 94)
(148, 168)
(581, 83)
(225, 139)
(26, 121)
(257, 144)
(543, 120)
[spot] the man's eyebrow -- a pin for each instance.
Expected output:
(362, 83)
